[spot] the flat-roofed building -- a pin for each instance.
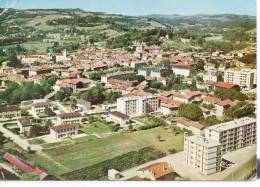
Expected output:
(245, 78)
(233, 134)
(202, 154)
(138, 104)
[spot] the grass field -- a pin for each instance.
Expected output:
(87, 151)
(37, 46)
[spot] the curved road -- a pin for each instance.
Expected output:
(24, 144)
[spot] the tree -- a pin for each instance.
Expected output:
(210, 120)
(60, 95)
(191, 111)
(115, 128)
(29, 177)
(159, 138)
(241, 109)
(49, 112)
(130, 127)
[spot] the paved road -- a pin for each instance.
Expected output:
(171, 159)
(24, 144)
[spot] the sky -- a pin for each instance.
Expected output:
(144, 7)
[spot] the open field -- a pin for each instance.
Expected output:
(38, 46)
(88, 150)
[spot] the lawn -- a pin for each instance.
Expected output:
(88, 150)
(37, 141)
(97, 125)
(38, 46)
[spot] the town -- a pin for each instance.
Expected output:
(113, 112)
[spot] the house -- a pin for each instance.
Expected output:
(225, 85)
(24, 124)
(9, 112)
(25, 167)
(113, 174)
(39, 107)
(211, 73)
(119, 118)
(72, 84)
(39, 70)
(115, 75)
(72, 117)
(184, 123)
(83, 105)
(181, 69)
(221, 106)
(156, 171)
(63, 131)
(209, 100)
(186, 96)
(169, 106)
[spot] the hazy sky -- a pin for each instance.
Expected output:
(143, 7)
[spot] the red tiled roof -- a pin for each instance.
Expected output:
(25, 167)
(224, 85)
(159, 169)
(120, 115)
(63, 127)
(71, 114)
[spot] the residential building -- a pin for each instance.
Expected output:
(245, 78)
(202, 154)
(113, 174)
(221, 107)
(73, 117)
(83, 105)
(181, 69)
(39, 107)
(24, 124)
(233, 134)
(63, 131)
(185, 96)
(9, 112)
(211, 73)
(138, 104)
(119, 118)
(169, 106)
(157, 171)
(183, 123)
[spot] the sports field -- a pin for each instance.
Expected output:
(88, 151)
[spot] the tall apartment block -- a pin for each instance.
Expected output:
(233, 134)
(245, 78)
(202, 154)
(137, 105)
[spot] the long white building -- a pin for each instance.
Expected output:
(233, 134)
(138, 104)
(245, 78)
(202, 154)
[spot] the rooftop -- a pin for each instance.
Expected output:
(232, 124)
(159, 169)
(63, 127)
(200, 140)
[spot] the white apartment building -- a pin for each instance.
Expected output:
(245, 78)
(202, 154)
(137, 105)
(183, 70)
(68, 118)
(63, 131)
(211, 73)
(233, 134)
